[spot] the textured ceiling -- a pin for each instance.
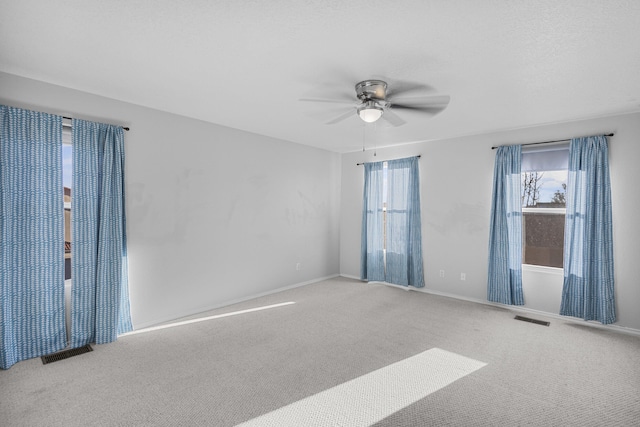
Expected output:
(246, 64)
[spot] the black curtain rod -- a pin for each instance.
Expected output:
(69, 118)
(360, 164)
(549, 142)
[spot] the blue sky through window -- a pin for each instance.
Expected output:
(550, 183)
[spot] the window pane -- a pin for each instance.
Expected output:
(543, 239)
(543, 232)
(66, 180)
(544, 189)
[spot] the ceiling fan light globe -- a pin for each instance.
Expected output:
(370, 114)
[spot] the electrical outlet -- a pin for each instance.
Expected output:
(441, 273)
(463, 276)
(298, 266)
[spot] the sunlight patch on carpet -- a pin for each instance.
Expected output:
(204, 319)
(370, 398)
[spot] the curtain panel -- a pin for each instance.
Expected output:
(100, 293)
(404, 234)
(395, 185)
(588, 290)
(372, 266)
(32, 313)
(504, 283)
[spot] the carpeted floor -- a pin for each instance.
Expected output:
(229, 370)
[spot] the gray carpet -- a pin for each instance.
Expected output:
(230, 370)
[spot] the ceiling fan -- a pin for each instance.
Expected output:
(374, 101)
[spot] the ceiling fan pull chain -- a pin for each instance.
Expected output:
(364, 135)
(375, 140)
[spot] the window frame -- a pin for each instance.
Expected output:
(67, 141)
(543, 210)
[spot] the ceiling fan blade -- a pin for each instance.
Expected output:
(336, 96)
(392, 117)
(334, 101)
(422, 101)
(322, 115)
(342, 117)
(400, 88)
(430, 110)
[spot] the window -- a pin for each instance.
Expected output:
(544, 186)
(385, 167)
(391, 235)
(67, 162)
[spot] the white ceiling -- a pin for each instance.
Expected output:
(247, 63)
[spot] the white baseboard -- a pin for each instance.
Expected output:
(513, 308)
(517, 308)
(348, 276)
(174, 316)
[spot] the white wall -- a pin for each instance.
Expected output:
(214, 214)
(456, 184)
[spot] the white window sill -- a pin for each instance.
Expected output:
(542, 269)
(555, 211)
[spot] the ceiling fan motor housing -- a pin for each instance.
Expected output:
(371, 90)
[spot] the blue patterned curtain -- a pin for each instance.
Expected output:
(505, 239)
(588, 243)
(372, 249)
(404, 236)
(397, 185)
(100, 293)
(32, 321)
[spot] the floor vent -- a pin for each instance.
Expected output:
(65, 354)
(537, 322)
